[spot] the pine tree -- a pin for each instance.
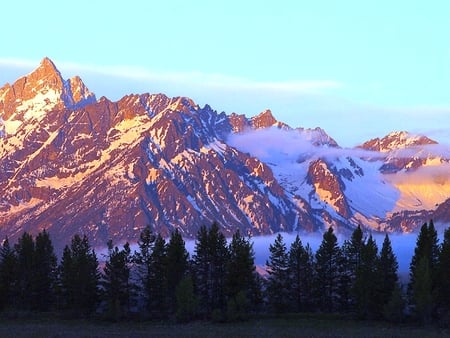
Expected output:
(278, 292)
(328, 273)
(25, 271)
(8, 269)
(209, 262)
(186, 300)
(422, 291)
(143, 260)
(240, 276)
(116, 281)
(443, 276)
(45, 273)
(393, 310)
(301, 271)
(177, 266)
(386, 275)
(157, 279)
(201, 265)
(79, 277)
(219, 258)
(426, 250)
(365, 284)
(352, 251)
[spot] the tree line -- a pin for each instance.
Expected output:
(220, 282)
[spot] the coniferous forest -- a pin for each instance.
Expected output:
(160, 281)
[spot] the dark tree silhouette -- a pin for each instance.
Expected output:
(443, 276)
(79, 277)
(177, 266)
(328, 273)
(301, 274)
(45, 273)
(278, 288)
(240, 277)
(116, 284)
(386, 275)
(8, 272)
(25, 271)
(209, 264)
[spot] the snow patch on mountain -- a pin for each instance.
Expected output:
(424, 188)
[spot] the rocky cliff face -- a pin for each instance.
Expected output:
(72, 164)
(111, 168)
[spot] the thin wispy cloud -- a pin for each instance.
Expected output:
(200, 79)
(291, 145)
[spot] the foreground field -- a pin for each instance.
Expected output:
(291, 326)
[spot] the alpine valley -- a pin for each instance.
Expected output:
(71, 163)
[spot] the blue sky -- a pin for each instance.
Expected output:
(358, 69)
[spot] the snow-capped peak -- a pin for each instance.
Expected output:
(40, 91)
(396, 140)
(263, 120)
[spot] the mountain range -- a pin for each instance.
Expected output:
(71, 163)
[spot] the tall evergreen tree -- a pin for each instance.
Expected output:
(422, 291)
(8, 268)
(365, 285)
(443, 276)
(25, 271)
(426, 250)
(116, 284)
(157, 279)
(187, 302)
(143, 260)
(328, 272)
(386, 275)
(177, 265)
(45, 273)
(219, 258)
(209, 262)
(79, 277)
(301, 272)
(352, 251)
(240, 276)
(201, 262)
(278, 288)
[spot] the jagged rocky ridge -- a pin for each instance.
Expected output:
(70, 163)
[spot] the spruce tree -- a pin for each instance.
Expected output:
(177, 266)
(201, 265)
(143, 260)
(8, 269)
(278, 288)
(116, 284)
(365, 284)
(219, 257)
(393, 310)
(209, 263)
(426, 250)
(25, 271)
(352, 251)
(186, 300)
(443, 276)
(240, 276)
(157, 279)
(301, 272)
(79, 278)
(422, 291)
(328, 273)
(386, 275)
(45, 273)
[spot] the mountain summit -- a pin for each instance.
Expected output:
(72, 164)
(40, 91)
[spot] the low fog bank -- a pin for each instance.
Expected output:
(402, 244)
